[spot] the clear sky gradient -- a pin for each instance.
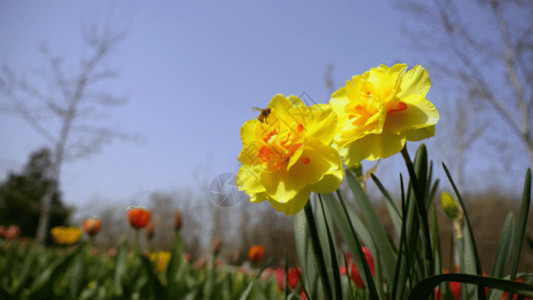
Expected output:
(192, 70)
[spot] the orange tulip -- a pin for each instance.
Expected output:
(92, 226)
(256, 253)
(139, 217)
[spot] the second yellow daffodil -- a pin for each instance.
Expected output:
(381, 109)
(287, 154)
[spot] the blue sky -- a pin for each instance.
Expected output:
(192, 71)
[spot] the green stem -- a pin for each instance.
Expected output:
(318, 250)
(136, 243)
(419, 196)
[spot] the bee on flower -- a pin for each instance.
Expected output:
(290, 156)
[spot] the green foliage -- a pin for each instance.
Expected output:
(30, 271)
(20, 196)
(410, 264)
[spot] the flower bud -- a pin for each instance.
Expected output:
(92, 226)
(256, 253)
(449, 206)
(138, 217)
(216, 246)
(150, 230)
(177, 220)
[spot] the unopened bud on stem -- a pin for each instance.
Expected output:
(177, 220)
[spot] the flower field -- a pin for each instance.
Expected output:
(295, 157)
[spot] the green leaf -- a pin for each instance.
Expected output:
(355, 248)
(317, 247)
(121, 261)
(375, 227)
(392, 207)
(41, 287)
(503, 251)
(425, 287)
(522, 222)
(471, 240)
(157, 290)
(306, 254)
(330, 250)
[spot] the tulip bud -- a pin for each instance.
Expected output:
(92, 226)
(177, 220)
(216, 246)
(138, 217)
(256, 253)
(150, 230)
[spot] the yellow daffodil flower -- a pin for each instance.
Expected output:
(381, 109)
(287, 154)
(66, 235)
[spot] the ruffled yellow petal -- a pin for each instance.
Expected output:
(381, 109)
(288, 154)
(249, 179)
(415, 82)
(322, 123)
(420, 134)
(316, 161)
(419, 113)
(372, 147)
(295, 205)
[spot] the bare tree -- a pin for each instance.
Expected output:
(464, 130)
(65, 106)
(487, 46)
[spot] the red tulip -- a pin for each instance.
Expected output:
(138, 217)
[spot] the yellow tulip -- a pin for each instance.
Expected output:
(287, 154)
(161, 259)
(66, 235)
(382, 109)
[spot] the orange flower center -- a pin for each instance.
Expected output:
(277, 147)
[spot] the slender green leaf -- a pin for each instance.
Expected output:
(332, 265)
(522, 223)
(375, 226)
(425, 287)
(479, 271)
(357, 252)
(503, 251)
(320, 259)
(306, 254)
(392, 207)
